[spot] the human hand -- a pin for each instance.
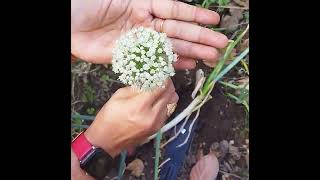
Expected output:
(130, 117)
(96, 24)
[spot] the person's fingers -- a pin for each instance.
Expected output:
(167, 9)
(190, 32)
(168, 97)
(150, 97)
(164, 100)
(210, 63)
(125, 93)
(163, 109)
(194, 50)
(160, 108)
(184, 63)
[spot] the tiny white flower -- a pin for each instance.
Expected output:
(153, 57)
(137, 58)
(146, 67)
(149, 53)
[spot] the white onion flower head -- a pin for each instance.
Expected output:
(143, 58)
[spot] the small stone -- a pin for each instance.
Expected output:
(236, 169)
(227, 166)
(224, 146)
(234, 151)
(136, 167)
(214, 146)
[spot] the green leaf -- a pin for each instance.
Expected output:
(223, 2)
(246, 16)
(105, 77)
(91, 111)
(122, 164)
(89, 94)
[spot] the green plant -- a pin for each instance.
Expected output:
(105, 78)
(91, 111)
(242, 98)
(77, 123)
(158, 153)
(207, 3)
(89, 94)
(122, 164)
(76, 126)
(246, 16)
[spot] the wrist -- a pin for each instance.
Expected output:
(96, 137)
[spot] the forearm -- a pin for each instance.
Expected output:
(76, 172)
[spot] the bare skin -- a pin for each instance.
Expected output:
(96, 24)
(115, 129)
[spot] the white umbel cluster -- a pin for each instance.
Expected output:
(144, 58)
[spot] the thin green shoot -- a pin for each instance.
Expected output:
(122, 164)
(244, 64)
(156, 161)
(229, 85)
(222, 61)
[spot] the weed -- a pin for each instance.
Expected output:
(91, 111)
(76, 128)
(89, 94)
(206, 3)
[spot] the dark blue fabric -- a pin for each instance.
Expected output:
(170, 169)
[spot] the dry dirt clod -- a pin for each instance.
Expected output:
(136, 167)
(225, 177)
(247, 160)
(244, 44)
(224, 146)
(227, 166)
(230, 22)
(244, 3)
(234, 151)
(215, 148)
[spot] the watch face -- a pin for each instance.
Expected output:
(97, 163)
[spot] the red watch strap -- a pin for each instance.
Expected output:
(81, 146)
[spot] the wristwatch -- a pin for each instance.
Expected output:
(93, 160)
